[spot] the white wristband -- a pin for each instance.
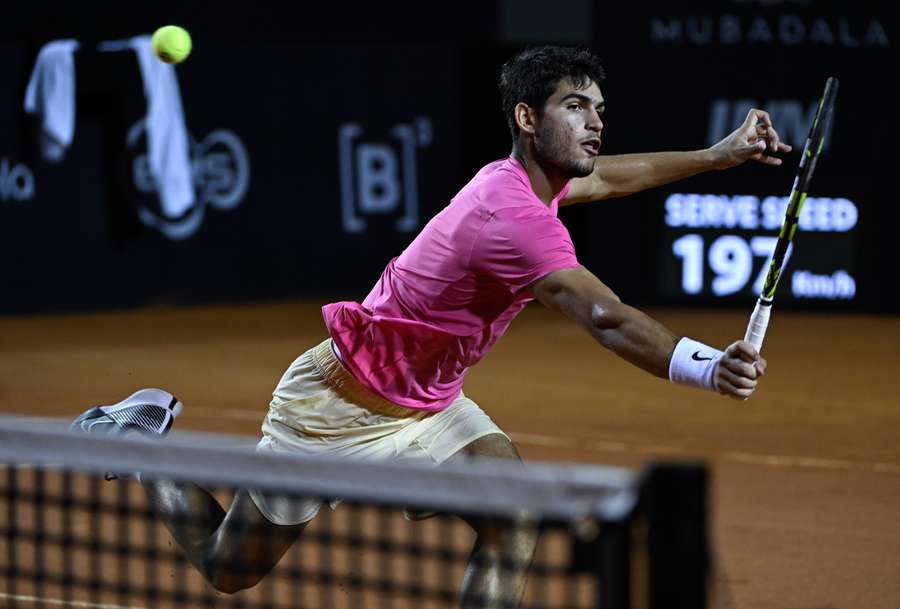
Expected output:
(694, 364)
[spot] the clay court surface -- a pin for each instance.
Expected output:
(806, 474)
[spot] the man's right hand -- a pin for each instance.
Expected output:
(739, 370)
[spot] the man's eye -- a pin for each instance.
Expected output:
(574, 107)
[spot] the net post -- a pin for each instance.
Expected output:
(615, 566)
(674, 500)
(603, 548)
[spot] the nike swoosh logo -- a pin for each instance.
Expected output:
(696, 357)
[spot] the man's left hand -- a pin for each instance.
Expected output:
(756, 139)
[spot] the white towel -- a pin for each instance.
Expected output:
(167, 138)
(51, 97)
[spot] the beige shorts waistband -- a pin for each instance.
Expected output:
(343, 383)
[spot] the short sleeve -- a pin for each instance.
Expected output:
(518, 246)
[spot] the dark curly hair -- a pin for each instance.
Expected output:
(533, 75)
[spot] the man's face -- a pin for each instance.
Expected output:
(567, 134)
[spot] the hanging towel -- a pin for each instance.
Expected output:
(50, 96)
(167, 138)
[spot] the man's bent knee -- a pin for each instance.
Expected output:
(246, 547)
(230, 581)
(225, 582)
(495, 445)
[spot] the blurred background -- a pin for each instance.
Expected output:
(317, 140)
(321, 140)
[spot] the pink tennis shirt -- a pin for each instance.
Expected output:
(441, 305)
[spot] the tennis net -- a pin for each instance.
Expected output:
(607, 537)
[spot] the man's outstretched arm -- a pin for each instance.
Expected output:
(624, 174)
(643, 341)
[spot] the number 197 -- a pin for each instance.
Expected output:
(730, 258)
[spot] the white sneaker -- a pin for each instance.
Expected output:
(148, 411)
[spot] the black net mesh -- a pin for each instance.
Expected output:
(72, 539)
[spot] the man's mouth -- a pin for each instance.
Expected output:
(592, 146)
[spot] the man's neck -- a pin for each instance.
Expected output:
(546, 182)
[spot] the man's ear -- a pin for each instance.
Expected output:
(524, 117)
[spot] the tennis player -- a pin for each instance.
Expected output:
(387, 382)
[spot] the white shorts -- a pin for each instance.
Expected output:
(319, 408)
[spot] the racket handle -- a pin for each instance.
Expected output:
(759, 321)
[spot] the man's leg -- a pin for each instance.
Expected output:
(232, 550)
(503, 551)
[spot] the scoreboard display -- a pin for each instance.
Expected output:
(683, 76)
(718, 247)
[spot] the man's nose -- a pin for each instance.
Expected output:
(594, 123)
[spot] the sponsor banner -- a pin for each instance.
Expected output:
(16, 181)
(220, 168)
(312, 167)
(773, 24)
(314, 164)
(379, 177)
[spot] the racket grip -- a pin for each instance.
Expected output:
(759, 321)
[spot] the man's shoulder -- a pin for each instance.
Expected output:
(498, 185)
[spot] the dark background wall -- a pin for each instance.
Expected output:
(285, 106)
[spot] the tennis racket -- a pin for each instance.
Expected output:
(759, 320)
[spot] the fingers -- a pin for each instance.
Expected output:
(733, 385)
(773, 141)
(755, 139)
(739, 370)
(761, 365)
(726, 387)
(762, 136)
(737, 379)
(765, 130)
(740, 367)
(755, 116)
(768, 160)
(744, 350)
(756, 150)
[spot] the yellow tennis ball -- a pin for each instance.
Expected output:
(171, 43)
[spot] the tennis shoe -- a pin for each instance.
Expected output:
(148, 412)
